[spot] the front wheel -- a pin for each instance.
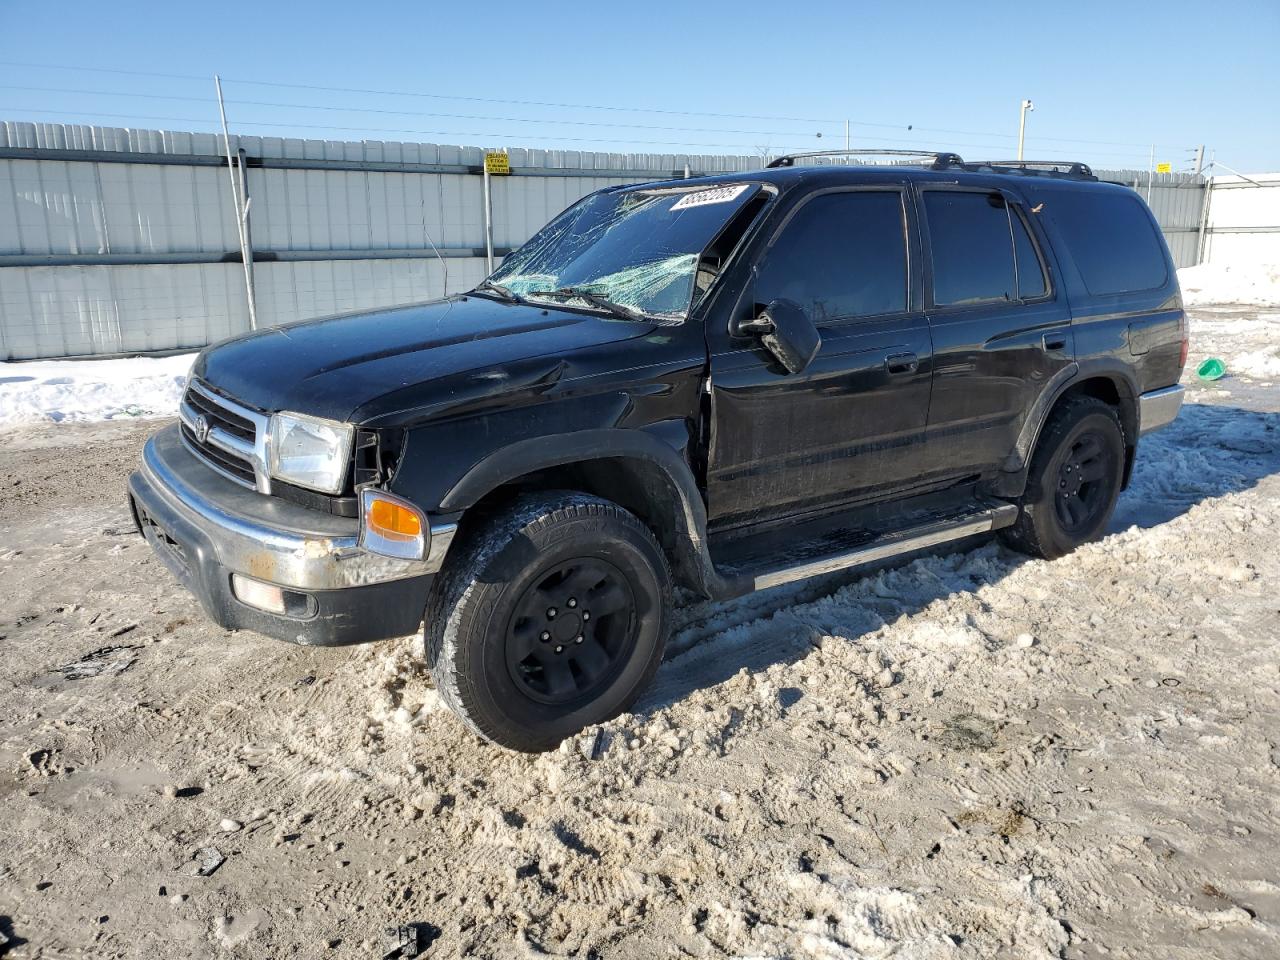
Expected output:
(1074, 480)
(551, 619)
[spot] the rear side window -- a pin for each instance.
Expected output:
(1031, 280)
(971, 246)
(1112, 241)
(841, 255)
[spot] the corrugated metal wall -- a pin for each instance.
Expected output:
(1176, 199)
(115, 241)
(1244, 220)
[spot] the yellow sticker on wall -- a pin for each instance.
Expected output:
(497, 163)
(1164, 168)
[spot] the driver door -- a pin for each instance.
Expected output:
(851, 426)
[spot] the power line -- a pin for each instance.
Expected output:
(750, 148)
(753, 147)
(131, 73)
(406, 113)
(570, 106)
(503, 119)
(436, 96)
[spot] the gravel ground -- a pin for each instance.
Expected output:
(974, 755)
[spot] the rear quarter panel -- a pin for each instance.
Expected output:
(1136, 334)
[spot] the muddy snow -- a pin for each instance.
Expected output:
(973, 755)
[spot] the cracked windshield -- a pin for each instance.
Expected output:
(634, 253)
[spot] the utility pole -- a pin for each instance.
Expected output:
(242, 210)
(1151, 172)
(488, 221)
(846, 134)
(1206, 199)
(1027, 107)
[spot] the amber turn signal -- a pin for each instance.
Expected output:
(393, 519)
(392, 526)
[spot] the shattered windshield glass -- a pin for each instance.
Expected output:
(630, 253)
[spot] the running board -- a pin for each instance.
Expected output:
(894, 544)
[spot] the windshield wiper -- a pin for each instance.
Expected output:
(506, 293)
(595, 299)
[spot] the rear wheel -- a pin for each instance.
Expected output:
(1074, 480)
(550, 620)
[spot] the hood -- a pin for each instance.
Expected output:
(365, 366)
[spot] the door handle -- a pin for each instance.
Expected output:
(902, 363)
(1054, 341)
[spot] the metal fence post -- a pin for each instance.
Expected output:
(247, 247)
(1204, 219)
(488, 222)
(242, 211)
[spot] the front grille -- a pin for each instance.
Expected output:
(224, 434)
(220, 416)
(221, 460)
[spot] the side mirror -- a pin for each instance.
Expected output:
(786, 332)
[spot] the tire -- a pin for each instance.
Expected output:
(510, 635)
(1074, 480)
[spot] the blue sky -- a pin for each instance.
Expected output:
(1107, 79)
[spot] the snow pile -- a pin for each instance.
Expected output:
(65, 390)
(1249, 345)
(1262, 364)
(1251, 283)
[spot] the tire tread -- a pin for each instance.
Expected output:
(1026, 534)
(460, 584)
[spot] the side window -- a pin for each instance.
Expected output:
(971, 247)
(1111, 239)
(841, 255)
(1031, 279)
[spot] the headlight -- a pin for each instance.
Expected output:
(310, 452)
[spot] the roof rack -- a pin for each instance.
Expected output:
(1072, 169)
(940, 160)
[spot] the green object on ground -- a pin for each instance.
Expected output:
(1211, 369)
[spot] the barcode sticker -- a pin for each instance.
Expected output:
(701, 198)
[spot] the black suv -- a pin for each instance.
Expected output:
(721, 384)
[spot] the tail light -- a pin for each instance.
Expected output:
(1186, 341)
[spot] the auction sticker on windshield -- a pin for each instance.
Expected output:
(701, 198)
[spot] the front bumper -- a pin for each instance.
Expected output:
(205, 528)
(1158, 408)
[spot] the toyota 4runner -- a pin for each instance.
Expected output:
(722, 384)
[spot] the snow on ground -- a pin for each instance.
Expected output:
(74, 390)
(1247, 341)
(1259, 364)
(1247, 283)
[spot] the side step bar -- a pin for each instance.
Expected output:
(894, 544)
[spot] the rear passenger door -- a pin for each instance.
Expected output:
(1001, 329)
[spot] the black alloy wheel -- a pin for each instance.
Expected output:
(571, 630)
(550, 616)
(1084, 482)
(1074, 479)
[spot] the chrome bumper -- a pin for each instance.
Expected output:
(1158, 408)
(270, 539)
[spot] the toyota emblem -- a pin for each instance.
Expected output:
(201, 428)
